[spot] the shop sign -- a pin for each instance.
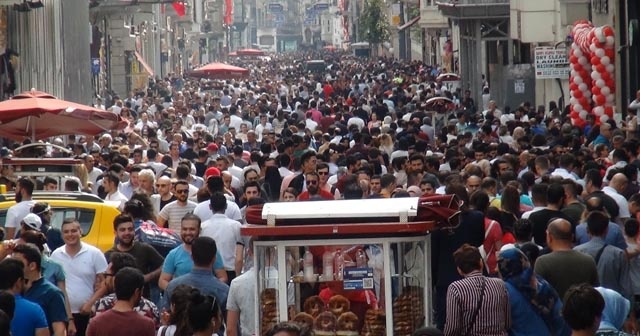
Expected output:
(551, 63)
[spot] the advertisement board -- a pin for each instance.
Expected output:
(551, 63)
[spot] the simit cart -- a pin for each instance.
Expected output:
(346, 268)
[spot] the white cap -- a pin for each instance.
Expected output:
(32, 221)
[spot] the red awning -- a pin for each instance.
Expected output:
(144, 64)
(409, 24)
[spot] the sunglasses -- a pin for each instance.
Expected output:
(323, 173)
(161, 185)
(182, 191)
(312, 182)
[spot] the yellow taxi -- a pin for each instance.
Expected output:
(95, 216)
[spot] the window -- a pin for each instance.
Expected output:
(84, 216)
(267, 40)
(3, 217)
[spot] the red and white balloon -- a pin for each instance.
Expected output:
(592, 79)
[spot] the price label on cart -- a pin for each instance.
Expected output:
(355, 278)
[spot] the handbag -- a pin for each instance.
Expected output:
(161, 239)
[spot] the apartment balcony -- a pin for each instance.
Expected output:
(474, 9)
(432, 18)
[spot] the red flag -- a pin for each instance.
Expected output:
(228, 12)
(180, 8)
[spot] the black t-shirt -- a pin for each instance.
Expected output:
(381, 111)
(540, 220)
(147, 260)
(189, 154)
(201, 167)
(163, 203)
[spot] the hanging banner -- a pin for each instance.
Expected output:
(3, 29)
(228, 12)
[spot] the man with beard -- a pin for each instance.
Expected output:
(41, 291)
(178, 262)
(28, 318)
(15, 214)
(313, 191)
(171, 215)
(148, 260)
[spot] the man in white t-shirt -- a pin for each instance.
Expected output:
(226, 233)
(110, 182)
(15, 214)
(84, 266)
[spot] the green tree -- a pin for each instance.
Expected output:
(373, 24)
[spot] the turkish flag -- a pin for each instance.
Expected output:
(180, 8)
(228, 12)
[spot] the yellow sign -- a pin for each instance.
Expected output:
(395, 20)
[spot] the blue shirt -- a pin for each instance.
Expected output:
(600, 139)
(28, 317)
(526, 321)
(614, 236)
(49, 298)
(52, 271)
(178, 262)
(203, 280)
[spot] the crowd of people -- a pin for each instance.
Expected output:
(549, 210)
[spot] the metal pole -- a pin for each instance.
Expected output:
(402, 42)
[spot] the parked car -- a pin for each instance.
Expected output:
(94, 214)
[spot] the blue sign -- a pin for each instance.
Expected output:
(95, 66)
(321, 6)
(275, 8)
(355, 278)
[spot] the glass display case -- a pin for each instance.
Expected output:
(345, 268)
(345, 286)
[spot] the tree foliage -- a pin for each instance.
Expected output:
(373, 22)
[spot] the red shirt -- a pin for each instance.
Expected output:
(328, 91)
(321, 192)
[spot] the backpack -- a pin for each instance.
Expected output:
(161, 239)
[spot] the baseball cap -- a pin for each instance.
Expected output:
(211, 171)
(212, 147)
(32, 221)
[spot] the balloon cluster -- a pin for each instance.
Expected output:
(591, 81)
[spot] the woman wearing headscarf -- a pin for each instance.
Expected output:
(616, 310)
(535, 305)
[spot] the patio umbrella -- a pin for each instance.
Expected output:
(39, 115)
(448, 77)
(439, 104)
(233, 54)
(329, 48)
(219, 71)
(250, 52)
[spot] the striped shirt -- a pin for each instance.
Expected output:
(173, 213)
(494, 316)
